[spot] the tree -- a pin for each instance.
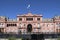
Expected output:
(11, 38)
(58, 38)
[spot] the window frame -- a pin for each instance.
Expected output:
(20, 19)
(29, 19)
(38, 19)
(8, 25)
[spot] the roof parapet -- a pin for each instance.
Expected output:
(47, 20)
(29, 14)
(56, 17)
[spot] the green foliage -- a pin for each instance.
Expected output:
(58, 38)
(11, 38)
(20, 38)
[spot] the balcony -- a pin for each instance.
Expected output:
(2, 26)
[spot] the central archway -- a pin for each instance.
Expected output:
(29, 28)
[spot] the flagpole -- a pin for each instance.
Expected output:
(28, 8)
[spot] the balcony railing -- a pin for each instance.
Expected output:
(40, 33)
(1, 26)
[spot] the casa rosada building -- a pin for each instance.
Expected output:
(30, 23)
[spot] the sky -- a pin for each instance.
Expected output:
(11, 8)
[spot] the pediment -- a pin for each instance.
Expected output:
(29, 14)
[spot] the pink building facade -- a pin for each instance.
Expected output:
(30, 23)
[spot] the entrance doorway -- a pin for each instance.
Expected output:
(1, 30)
(29, 28)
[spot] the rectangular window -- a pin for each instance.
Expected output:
(20, 19)
(38, 19)
(11, 25)
(29, 19)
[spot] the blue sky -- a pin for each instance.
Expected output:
(48, 8)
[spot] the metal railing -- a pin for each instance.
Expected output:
(40, 33)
